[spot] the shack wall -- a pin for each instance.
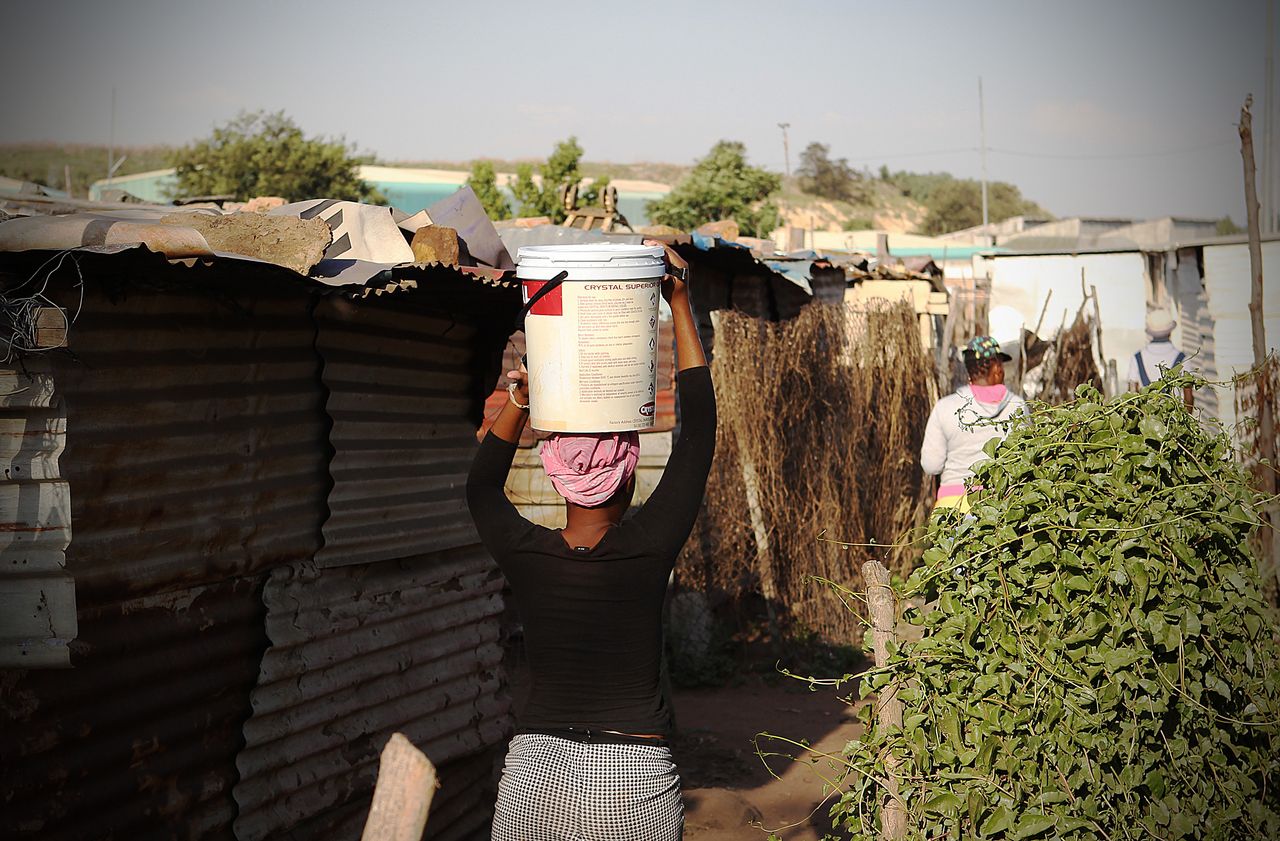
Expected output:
(196, 450)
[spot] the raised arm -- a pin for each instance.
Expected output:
(668, 515)
(689, 352)
(496, 519)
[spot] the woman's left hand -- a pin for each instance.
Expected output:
(671, 284)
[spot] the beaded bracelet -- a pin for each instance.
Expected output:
(511, 392)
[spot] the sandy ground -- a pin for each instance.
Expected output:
(728, 792)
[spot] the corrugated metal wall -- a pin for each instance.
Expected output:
(1228, 281)
(197, 449)
(197, 439)
(396, 624)
(399, 385)
(209, 452)
(357, 654)
(37, 596)
(139, 740)
(1194, 334)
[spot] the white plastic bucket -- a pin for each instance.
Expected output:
(592, 342)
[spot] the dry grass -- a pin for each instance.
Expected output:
(821, 419)
(1072, 362)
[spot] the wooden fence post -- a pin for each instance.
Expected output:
(402, 796)
(884, 616)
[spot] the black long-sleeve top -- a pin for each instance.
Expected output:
(593, 619)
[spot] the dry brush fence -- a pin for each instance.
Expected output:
(821, 419)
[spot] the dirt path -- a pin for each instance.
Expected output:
(728, 793)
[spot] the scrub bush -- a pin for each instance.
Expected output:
(1097, 660)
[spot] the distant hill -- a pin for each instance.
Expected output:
(46, 163)
(659, 172)
(897, 202)
(902, 202)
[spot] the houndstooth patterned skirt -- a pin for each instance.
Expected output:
(555, 789)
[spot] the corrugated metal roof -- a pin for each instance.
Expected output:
(357, 654)
(37, 596)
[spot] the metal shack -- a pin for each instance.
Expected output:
(233, 505)
(1204, 283)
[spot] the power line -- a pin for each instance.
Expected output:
(1161, 153)
(897, 155)
(1164, 153)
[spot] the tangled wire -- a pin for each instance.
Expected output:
(21, 305)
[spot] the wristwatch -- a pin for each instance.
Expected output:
(680, 273)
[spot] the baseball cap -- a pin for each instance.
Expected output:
(985, 347)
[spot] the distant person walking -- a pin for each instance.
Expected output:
(1149, 364)
(590, 760)
(962, 423)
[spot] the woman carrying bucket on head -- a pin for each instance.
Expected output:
(590, 758)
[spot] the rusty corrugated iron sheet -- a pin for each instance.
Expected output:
(138, 741)
(37, 595)
(197, 450)
(402, 386)
(358, 653)
(197, 439)
(200, 451)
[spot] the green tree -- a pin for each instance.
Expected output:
(1227, 227)
(563, 167)
(722, 186)
(484, 183)
(525, 191)
(957, 204)
(258, 154)
(822, 176)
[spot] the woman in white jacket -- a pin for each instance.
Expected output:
(962, 423)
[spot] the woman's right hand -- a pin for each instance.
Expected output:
(520, 379)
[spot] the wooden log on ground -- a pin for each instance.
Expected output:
(402, 797)
(884, 616)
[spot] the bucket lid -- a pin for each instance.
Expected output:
(595, 255)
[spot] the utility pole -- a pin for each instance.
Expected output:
(111, 140)
(786, 148)
(1270, 213)
(1266, 450)
(982, 127)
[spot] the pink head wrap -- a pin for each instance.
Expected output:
(588, 469)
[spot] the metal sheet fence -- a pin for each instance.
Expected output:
(359, 653)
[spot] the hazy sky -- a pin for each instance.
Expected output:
(1105, 108)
